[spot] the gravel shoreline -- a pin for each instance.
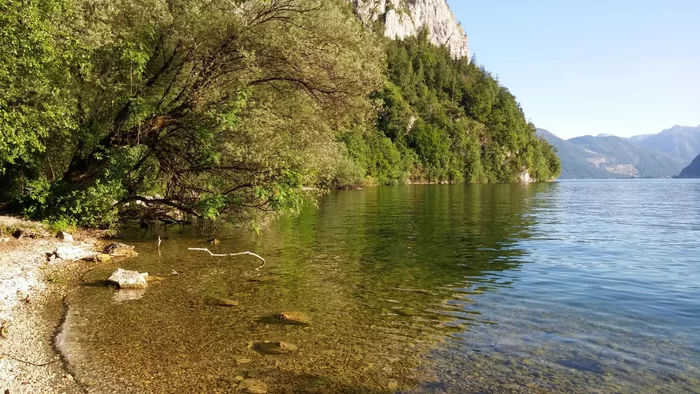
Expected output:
(32, 309)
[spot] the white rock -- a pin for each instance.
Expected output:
(64, 236)
(404, 19)
(128, 279)
(72, 253)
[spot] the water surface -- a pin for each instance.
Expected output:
(565, 287)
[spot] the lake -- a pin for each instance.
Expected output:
(590, 286)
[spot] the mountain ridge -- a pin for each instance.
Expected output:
(660, 155)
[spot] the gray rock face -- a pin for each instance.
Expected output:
(128, 279)
(405, 18)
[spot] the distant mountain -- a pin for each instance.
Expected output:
(576, 163)
(606, 156)
(679, 141)
(693, 170)
(624, 157)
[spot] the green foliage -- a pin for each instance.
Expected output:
(235, 109)
(223, 110)
(451, 120)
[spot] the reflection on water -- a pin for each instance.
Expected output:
(420, 288)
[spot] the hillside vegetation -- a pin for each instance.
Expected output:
(232, 109)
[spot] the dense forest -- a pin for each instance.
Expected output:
(234, 109)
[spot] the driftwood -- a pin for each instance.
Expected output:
(232, 254)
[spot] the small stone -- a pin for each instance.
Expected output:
(128, 279)
(253, 386)
(238, 379)
(214, 241)
(64, 236)
(243, 360)
(4, 239)
(173, 273)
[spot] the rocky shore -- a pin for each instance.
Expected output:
(33, 281)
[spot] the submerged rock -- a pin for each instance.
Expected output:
(120, 250)
(99, 258)
(214, 241)
(292, 317)
(253, 386)
(275, 348)
(128, 279)
(222, 302)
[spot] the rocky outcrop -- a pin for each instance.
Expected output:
(405, 18)
(692, 171)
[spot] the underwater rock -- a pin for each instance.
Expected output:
(128, 279)
(253, 386)
(214, 241)
(222, 302)
(292, 317)
(99, 258)
(120, 250)
(275, 348)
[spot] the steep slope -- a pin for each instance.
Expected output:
(680, 141)
(623, 157)
(576, 162)
(693, 170)
(405, 18)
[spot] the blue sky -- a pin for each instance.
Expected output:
(621, 67)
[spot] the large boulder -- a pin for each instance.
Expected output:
(124, 279)
(120, 250)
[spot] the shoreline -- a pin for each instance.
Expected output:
(32, 309)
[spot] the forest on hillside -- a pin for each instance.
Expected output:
(235, 109)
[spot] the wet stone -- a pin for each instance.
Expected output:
(120, 250)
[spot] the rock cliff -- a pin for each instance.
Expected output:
(404, 18)
(692, 171)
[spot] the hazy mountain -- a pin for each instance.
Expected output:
(693, 170)
(607, 156)
(679, 141)
(622, 156)
(576, 163)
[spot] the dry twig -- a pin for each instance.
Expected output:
(231, 254)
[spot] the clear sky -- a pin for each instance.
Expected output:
(621, 67)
